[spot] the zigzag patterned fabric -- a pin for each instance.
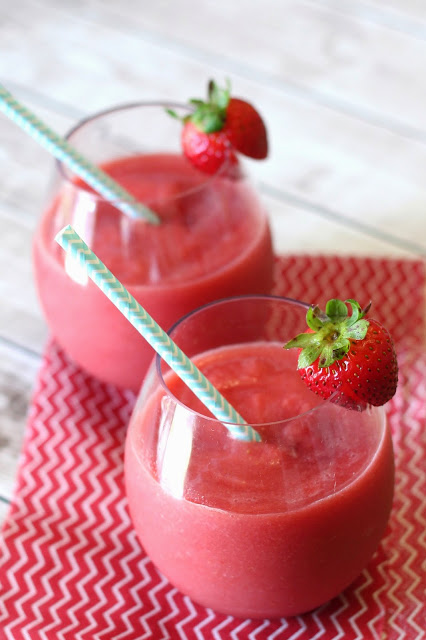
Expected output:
(71, 567)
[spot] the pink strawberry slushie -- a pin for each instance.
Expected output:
(213, 241)
(258, 529)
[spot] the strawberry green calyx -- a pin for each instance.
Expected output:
(331, 333)
(210, 115)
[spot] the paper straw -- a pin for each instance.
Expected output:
(154, 335)
(61, 149)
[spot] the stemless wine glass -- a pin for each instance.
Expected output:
(213, 239)
(259, 529)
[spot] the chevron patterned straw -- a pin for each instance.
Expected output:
(71, 242)
(62, 150)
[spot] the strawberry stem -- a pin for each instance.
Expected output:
(208, 115)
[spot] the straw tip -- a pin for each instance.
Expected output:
(67, 229)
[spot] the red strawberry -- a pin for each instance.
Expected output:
(347, 355)
(219, 127)
(246, 129)
(207, 151)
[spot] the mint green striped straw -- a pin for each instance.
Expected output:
(71, 242)
(63, 151)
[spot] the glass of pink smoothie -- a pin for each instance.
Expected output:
(259, 529)
(213, 241)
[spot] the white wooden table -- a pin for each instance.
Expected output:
(341, 84)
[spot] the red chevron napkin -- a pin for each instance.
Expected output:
(71, 567)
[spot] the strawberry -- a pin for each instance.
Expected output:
(207, 151)
(246, 129)
(347, 355)
(220, 127)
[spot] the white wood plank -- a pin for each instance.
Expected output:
(26, 166)
(340, 59)
(415, 9)
(4, 509)
(17, 373)
(400, 15)
(297, 230)
(362, 171)
(21, 321)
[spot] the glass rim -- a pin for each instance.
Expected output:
(267, 298)
(69, 177)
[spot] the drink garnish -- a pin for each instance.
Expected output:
(347, 356)
(219, 127)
